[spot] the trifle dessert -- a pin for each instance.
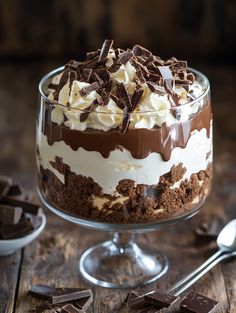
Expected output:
(125, 137)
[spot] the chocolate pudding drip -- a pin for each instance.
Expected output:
(140, 142)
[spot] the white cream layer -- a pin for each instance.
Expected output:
(107, 172)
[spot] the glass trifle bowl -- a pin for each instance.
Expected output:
(124, 144)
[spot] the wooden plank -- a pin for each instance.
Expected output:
(53, 259)
(9, 273)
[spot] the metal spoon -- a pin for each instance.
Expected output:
(226, 242)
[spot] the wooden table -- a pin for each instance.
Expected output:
(53, 258)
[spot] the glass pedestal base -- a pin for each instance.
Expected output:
(121, 263)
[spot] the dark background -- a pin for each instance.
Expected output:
(198, 30)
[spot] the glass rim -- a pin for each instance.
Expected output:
(58, 70)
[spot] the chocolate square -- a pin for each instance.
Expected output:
(197, 303)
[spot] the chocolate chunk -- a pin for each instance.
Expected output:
(105, 50)
(125, 56)
(5, 184)
(156, 78)
(87, 72)
(43, 308)
(10, 214)
(141, 51)
(59, 295)
(103, 74)
(160, 299)
(27, 206)
(197, 303)
(10, 231)
(155, 88)
(62, 82)
(126, 120)
(69, 308)
(14, 190)
(84, 303)
(89, 109)
(73, 65)
(137, 95)
(123, 96)
(87, 90)
(139, 303)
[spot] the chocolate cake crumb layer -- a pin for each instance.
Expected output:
(140, 203)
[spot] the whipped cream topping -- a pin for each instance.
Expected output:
(153, 108)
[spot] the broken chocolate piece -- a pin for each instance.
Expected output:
(160, 299)
(197, 303)
(84, 303)
(59, 295)
(11, 231)
(155, 88)
(89, 109)
(139, 303)
(125, 56)
(137, 95)
(123, 96)
(126, 120)
(105, 50)
(5, 184)
(27, 206)
(14, 191)
(141, 51)
(87, 90)
(10, 214)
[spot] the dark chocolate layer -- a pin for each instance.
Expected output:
(140, 142)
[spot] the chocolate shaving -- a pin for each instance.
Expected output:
(87, 90)
(116, 100)
(105, 50)
(156, 88)
(62, 82)
(92, 55)
(191, 77)
(72, 64)
(87, 74)
(156, 78)
(136, 98)
(126, 120)
(141, 51)
(180, 82)
(125, 56)
(123, 96)
(89, 109)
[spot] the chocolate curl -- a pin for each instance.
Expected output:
(89, 109)
(105, 50)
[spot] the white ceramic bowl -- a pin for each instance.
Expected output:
(9, 246)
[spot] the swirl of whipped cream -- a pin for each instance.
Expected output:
(153, 109)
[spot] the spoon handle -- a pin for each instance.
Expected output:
(183, 286)
(184, 281)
